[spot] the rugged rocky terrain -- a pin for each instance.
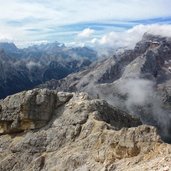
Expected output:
(22, 69)
(48, 130)
(137, 81)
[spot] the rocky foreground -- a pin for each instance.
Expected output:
(55, 131)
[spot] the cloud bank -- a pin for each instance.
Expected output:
(130, 37)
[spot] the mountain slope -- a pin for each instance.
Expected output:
(23, 69)
(136, 81)
(150, 59)
(48, 130)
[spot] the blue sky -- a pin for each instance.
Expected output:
(25, 21)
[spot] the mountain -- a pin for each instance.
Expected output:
(137, 81)
(23, 69)
(10, 47)
(116, 115)
(48, 130)
(54, 49)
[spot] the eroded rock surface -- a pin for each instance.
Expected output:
(29, 110)
(77, 134)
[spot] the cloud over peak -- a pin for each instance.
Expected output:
(86, 33)
(131, 36)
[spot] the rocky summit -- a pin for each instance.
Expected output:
(46, 130)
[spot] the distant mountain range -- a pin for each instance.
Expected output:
(22, 69)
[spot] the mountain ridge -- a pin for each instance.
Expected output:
(23, 69)
(135, 80)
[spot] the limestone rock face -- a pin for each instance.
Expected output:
(77, 134)
(28, 110)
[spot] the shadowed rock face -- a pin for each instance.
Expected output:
(78, 133)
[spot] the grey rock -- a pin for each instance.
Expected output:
(81, 134)
(29, 110)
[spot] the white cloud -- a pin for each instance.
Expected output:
(130, 37)
(52, 14)
(5, 38)
(139, 91)
(86, 33)
(32, 64)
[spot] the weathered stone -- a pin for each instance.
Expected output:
(80, 134)
(29, 110)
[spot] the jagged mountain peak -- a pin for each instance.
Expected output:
(26, 68)
(8, 47)
(130, 80)
(51, 46)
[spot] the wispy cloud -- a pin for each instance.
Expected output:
(130, 37)
(21, 19)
